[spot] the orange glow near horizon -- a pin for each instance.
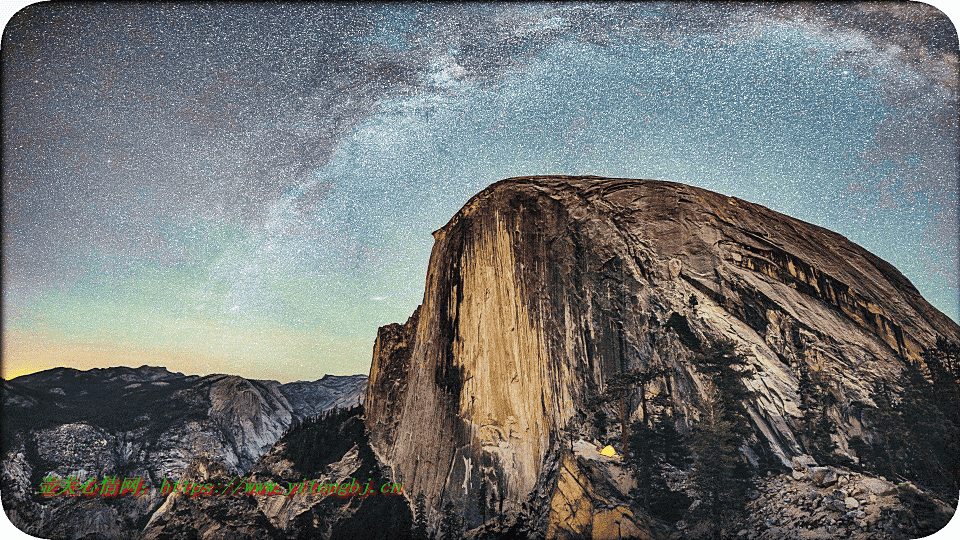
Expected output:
(28, 352)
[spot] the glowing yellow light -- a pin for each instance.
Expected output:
(609, 451)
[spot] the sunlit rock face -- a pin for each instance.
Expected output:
(543, 287)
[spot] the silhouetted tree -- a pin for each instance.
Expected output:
(888, 418)
(932, 440)
(914, 438)
(653, 449)
(482, 499)
(570, 432)
(714, 444)
(656, 443)
(619, 390)
(644, 460)
(420, 519)
(943, 362)
(720, 475)
(815, 424)
(727, 369)
(451, 527)
(600, 420)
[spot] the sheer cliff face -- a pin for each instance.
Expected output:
(540, 288)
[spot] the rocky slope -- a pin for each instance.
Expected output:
(139, 422)
(332, 450)
(543, 288)
(826, 503)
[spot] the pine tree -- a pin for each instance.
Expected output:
(714, 445)
(619, 390)
(571, 431)
(450, 525)
(727, 368)
(914, 438)
(889, 420)
(653, 449)
(600, 420)
(720, 475)
(816, 426)
(931, 441)
(943, 362)
(671, 445)
(420, 520)
(644, 460)
(947, 355)
(482, 499)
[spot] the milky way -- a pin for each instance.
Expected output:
(251, 188)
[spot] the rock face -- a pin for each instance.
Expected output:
(139, 422)
(333, 450)
(541, 288)
(311, 398)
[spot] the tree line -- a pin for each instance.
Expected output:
(653, 445)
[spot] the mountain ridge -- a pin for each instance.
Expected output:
(147, 422)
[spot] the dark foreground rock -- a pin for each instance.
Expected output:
(142, 422)
(331, 450)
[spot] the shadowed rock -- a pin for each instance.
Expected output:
(144, 422)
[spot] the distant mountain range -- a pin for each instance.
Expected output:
(143, 422)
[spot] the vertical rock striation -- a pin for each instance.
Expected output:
(541, 288)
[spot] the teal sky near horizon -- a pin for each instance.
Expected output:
(251, 188)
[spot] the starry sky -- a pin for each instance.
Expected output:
(251, 188)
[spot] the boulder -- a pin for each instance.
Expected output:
(823, 476)
(837, 505)
(875, 486)
(803, 462)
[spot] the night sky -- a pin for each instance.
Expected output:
(251, 188)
